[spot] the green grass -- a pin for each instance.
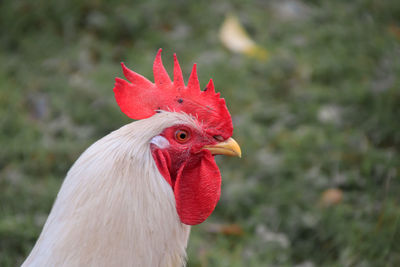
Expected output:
(322, 112)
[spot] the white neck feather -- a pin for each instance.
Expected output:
(114, 207)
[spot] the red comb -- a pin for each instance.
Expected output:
(141, 98)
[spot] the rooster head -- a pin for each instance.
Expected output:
(184, 153)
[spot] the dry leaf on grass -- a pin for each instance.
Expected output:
(225, 229)
(331, 197)
(234, 37)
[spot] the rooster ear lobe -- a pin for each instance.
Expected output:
(161, 77)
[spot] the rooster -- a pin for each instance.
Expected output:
(131, 197)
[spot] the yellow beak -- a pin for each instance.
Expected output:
(229, 147)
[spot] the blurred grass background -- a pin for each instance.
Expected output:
(318, 121)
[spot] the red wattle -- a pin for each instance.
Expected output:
(197, 190)
(196, 185)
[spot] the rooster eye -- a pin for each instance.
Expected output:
(181, 136)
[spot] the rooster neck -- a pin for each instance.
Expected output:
(114, 207)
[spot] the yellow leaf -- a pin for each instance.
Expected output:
(234, 37)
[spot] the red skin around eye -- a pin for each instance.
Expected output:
(193, 176)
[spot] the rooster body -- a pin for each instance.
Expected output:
(130, 198)
(113, 210)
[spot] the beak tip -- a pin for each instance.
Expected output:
(229, 147)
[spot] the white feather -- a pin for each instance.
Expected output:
(114, 207)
